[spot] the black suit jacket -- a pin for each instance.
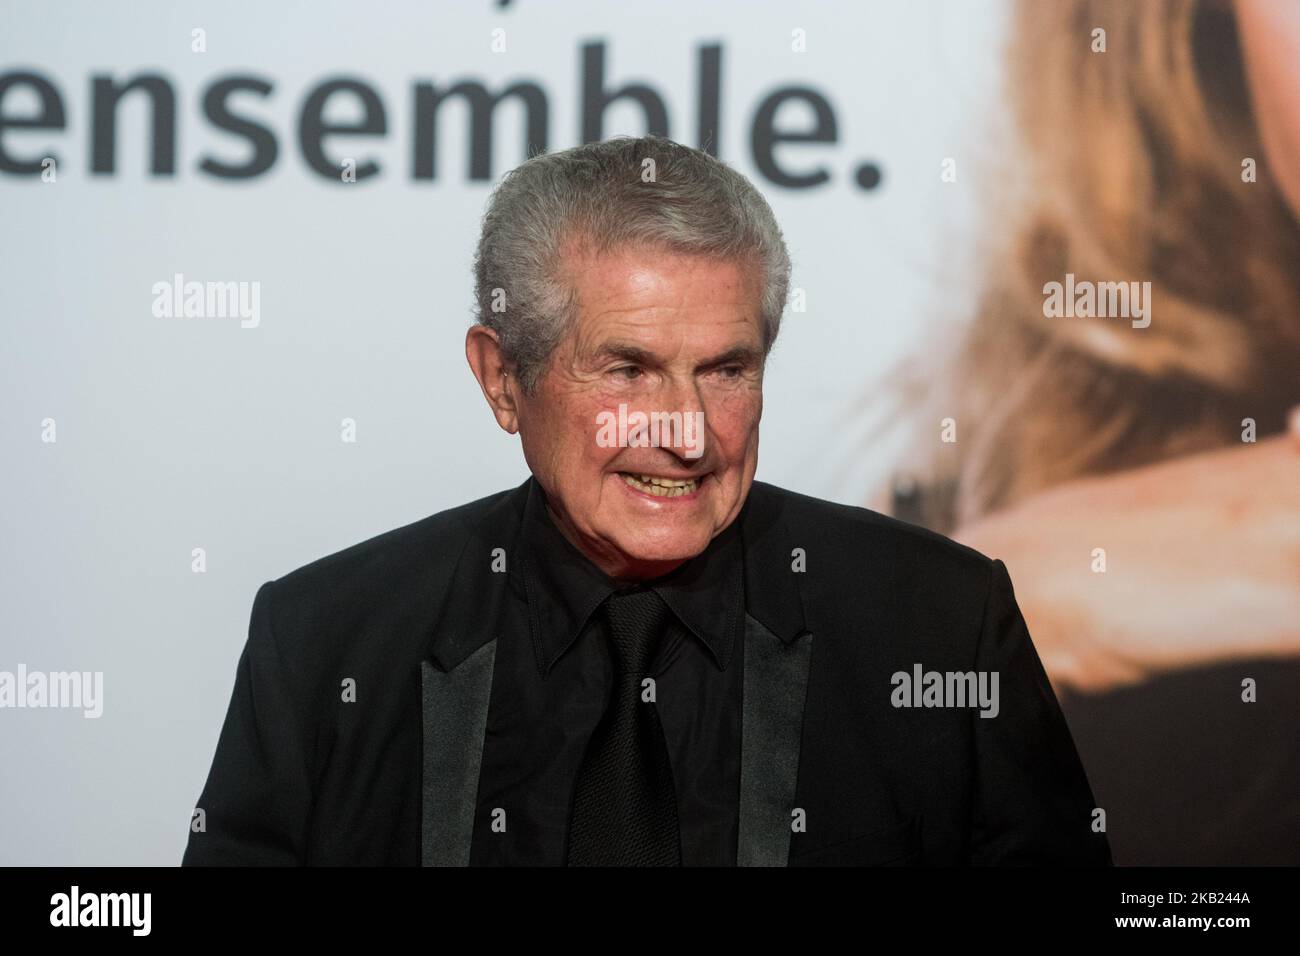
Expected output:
(837, 599)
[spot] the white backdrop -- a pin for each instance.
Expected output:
(177, 434)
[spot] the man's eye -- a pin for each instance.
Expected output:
(733, 371)
(628, 371)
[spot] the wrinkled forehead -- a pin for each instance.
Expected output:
(654, 293)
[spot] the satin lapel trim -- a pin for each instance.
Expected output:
(454, 707)
(775, 688)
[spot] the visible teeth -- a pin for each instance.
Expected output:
(661, 487)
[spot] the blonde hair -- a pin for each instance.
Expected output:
(1133, 173)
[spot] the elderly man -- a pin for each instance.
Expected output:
(641, 655)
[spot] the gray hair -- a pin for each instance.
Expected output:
(596, 194)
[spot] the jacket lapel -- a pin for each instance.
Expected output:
(455, 708)
(775, 685)
(456, 682)
(777, 659)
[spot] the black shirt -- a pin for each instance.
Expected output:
(553, 678)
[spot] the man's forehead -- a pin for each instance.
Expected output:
(633, 333)
(632, 289)
(648, 269)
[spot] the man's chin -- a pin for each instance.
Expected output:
(645, 551)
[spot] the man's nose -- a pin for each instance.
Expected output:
(680, 394)
(682, 399)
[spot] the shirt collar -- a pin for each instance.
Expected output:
(564, 588)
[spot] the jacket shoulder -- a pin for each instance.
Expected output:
(403, 571)
(862, 534)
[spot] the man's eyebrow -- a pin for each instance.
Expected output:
(624, 351)
(736, 355)
(628, 352)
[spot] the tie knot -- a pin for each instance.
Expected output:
(636, 622)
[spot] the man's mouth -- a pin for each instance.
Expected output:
(661, 487)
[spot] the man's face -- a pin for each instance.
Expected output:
(655, 332)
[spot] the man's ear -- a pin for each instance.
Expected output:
(496, 377)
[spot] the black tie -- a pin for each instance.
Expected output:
(624, 803)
